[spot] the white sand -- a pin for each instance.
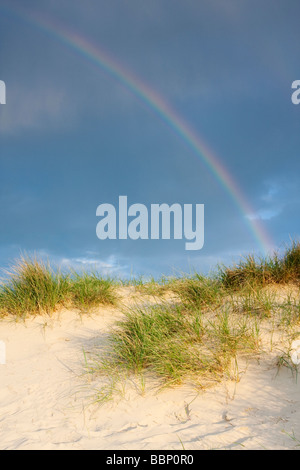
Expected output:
(45, 399)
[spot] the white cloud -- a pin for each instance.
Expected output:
(271, 202)
(107, 267)
(34, 109)
(264, 214)
(272, 191)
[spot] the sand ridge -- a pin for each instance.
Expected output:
(46, 400)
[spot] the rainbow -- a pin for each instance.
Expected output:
(156, 103)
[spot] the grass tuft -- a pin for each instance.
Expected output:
(195, 334)
(199, 291)
(177, 344)
(88, 290)
(263, 271)
(32, 288)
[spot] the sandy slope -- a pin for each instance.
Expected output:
(45, 399)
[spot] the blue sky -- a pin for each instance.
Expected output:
(73, 137)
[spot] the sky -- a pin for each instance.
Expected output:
(163, 101)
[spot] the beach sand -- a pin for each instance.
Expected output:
(48, 402)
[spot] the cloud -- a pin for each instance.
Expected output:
(264, 214)
(271, 202)
(273, 190)
(33, 108)
(106, 267)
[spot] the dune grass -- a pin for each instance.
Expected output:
(197, 334)
(32, 287)
(151, 286)
(199, 291)
(178, 344)
(214, 322)
(263, 271)
(88, 290)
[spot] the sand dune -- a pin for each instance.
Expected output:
(46, 401)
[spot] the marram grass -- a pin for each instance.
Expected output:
(32, 287)
(196, 334)
(215, 322)
(88, 290)
(177, 344)
(251, 271)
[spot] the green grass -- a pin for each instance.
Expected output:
(291, 262)
(151, 286)
(290, 310)
(254, 302)
(88, 290)
(32, 287)
(214, 322)
(177, 344)
(199, 291)
(263, 271)
(195, 334)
